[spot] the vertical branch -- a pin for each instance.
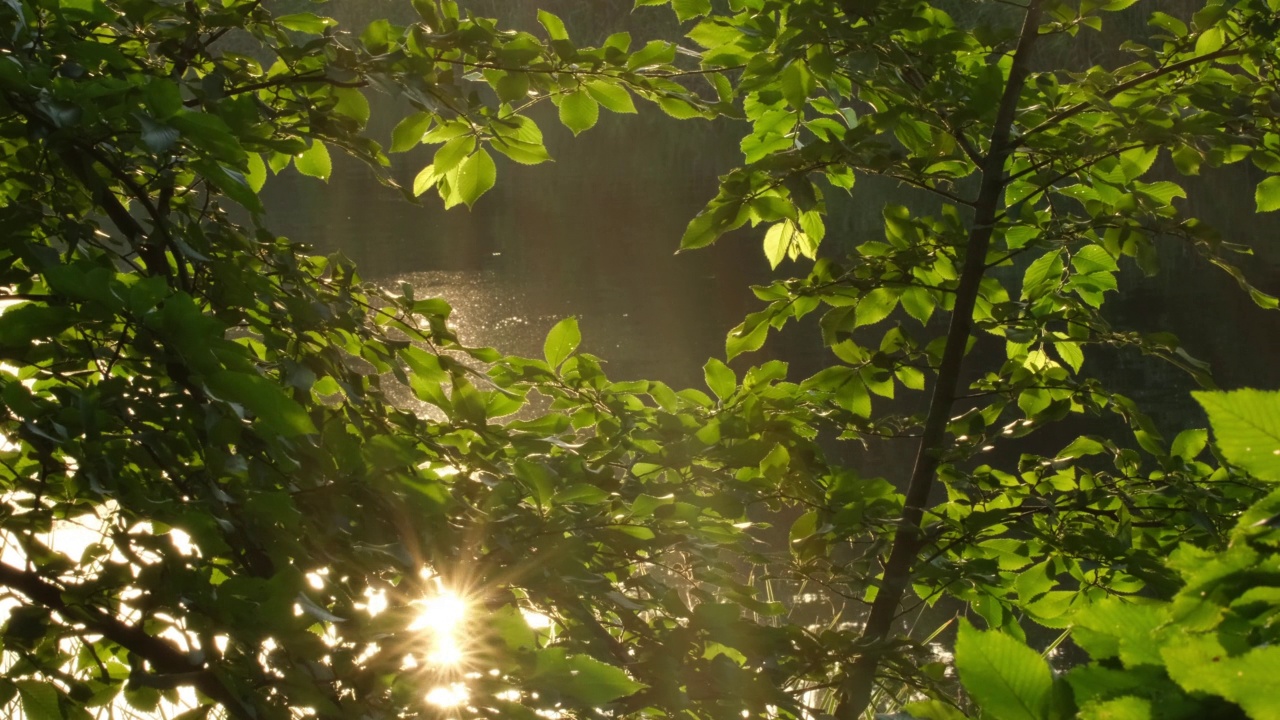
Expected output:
(856, 693)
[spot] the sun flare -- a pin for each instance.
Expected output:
(442, 619)
(442, 613)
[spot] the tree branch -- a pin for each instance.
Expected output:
(860, 683)
(1129, 85)
(164, 658)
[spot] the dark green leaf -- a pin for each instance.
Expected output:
(39, 700)
(267, 401)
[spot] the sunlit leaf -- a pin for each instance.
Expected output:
(561, 341)
(1267, 194)
(720, 379)
(579, 111)
(315, 161)
(1246, 426)
(1008, 679)
(476, 175)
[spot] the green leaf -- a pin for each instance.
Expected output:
(918, 303)
(1071, 354)
(1199, 663)
(39, 700)
(409, 131)
(803, 527)
(306, 22)
(274, 410)
(1080, 447)
(1246, 424)
(509, 624)
(315, 161)
(211, 134)
(1041, 274)
(689, 9)
(712, 34)
(156, 137)
(582, 493)
(164, 98)
(512, 87)
(452, 153)
(1129, 707)
(932, 710)
(1093, 258)
(875, 306)
(257, 176)
(711, 223)
(679, 109)
(1210, 40)
(778, 241)
(554, 25)
(1267, 194)
(613, 97)
(86, 10)
(475, 177)
(563, 339)
(741, 340)
(655, 52)
(426, 179)
(232, 182)
(352, 103)
(1190, 443)
(1009, 680)
(795, 83)
(720, 378)
(579, 111)
(522, 152)
(583, 678)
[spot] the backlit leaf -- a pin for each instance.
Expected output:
(579, 111)
(409, 131)
(476, 175)
(1007, 679)
(306, 22)
(39, 700)
(720, 378)
(561, 341)
(315, 161)
(1246, 426)
(1267, 194)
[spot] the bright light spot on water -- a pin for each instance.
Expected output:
(448, 696)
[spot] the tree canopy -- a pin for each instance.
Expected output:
(215, 505)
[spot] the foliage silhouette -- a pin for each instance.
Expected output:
(258, 523)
